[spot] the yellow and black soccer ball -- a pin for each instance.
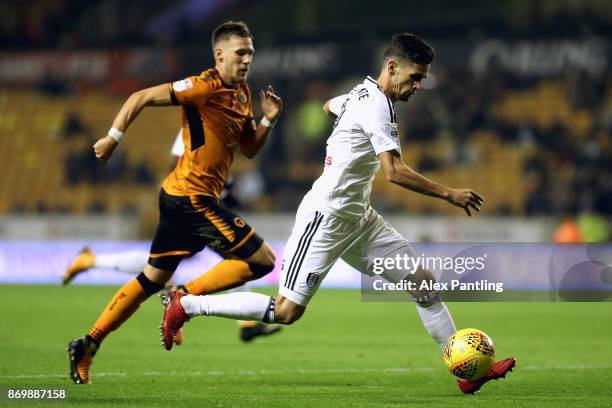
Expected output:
(469, 354)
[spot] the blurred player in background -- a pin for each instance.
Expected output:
(217, 119)
(335, 219)
(134, 261)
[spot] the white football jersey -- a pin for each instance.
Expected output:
(365, 127)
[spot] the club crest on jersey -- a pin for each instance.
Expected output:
(328, 160)
(242, 97)
(312, 280)
(180, 86)
(239, 222)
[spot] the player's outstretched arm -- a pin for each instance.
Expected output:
(399, 173)
(255, 136)
(155, 96)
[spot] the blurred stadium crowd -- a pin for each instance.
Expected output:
(518, 106)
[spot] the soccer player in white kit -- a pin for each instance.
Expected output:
(335, 219)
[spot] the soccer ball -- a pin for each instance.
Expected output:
(469, 354)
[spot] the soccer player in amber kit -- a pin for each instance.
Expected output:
(134, 261)
(217, 120)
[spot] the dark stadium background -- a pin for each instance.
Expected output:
(518, 107)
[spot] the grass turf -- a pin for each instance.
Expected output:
(343, 353)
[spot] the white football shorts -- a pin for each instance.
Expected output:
(319, 239)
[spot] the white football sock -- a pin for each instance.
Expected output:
(242, 288)
(437, 321)
(239, 306)
(130, 261)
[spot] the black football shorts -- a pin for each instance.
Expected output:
(189, 223)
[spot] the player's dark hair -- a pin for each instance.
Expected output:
(229, 28)
(410, 48)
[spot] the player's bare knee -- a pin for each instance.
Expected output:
(286, 311)
(262, 261)
(287, 317)
(268, 254)
(152, 279)
(263, 256)
(157, 275)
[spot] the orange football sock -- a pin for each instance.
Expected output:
(120, 308)
(225, 275)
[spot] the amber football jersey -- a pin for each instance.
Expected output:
(215, 117)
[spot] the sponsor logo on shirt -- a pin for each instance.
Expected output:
(216, 245)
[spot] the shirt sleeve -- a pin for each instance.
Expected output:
(335, 104)
(191, 91)
(378, 123)
(178, 148)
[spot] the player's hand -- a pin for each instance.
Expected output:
(105, 147)
(466, 199)
(271, 104)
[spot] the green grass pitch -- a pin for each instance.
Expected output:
(343, 353)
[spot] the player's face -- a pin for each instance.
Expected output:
(406, 79)
(234, 58)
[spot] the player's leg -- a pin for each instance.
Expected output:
(127, 261)
(433, 312)
(384, 241)
(121, 306)
(247, 256)
(439, 324)
(132, 262)
(309, 254)
(250, 256)
(84, 260)
(163, 260)
(380, 240)
(250, 329)
(311, 251)
(171, 243)
(231, 273)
